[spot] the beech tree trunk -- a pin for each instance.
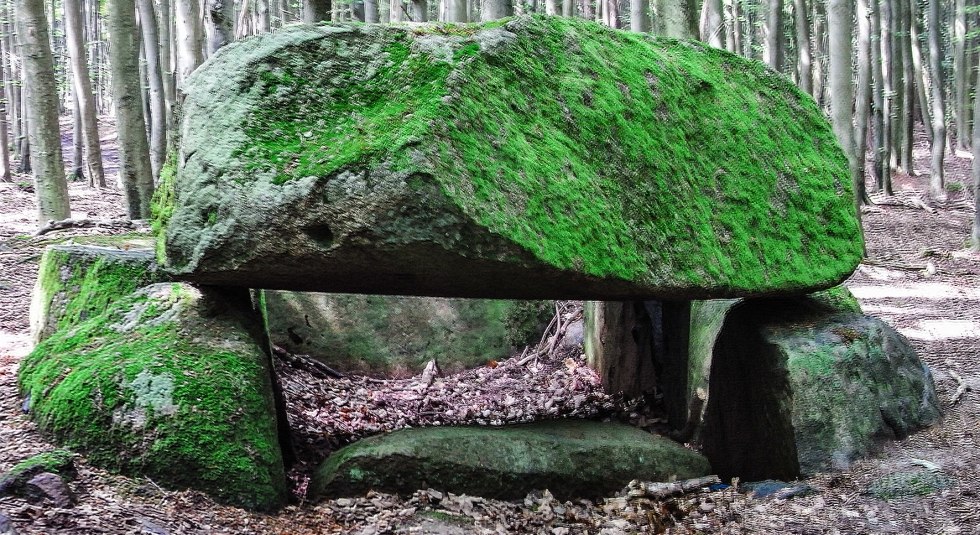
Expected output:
(639, 20)
(921, 73)
(134, 167)
(712, 23)
(862, 100)
(961, 76)
(937, 179)
(803, 45)
(773, 29)
(77, 161)
(677, 18)
(5, 174)
(188, 30)
(82, 87)
(371, 13)
(879, 143)
(496, 9)
(219, 17)
(157, 97)
(975, 238)
(839, 18)
(47, 165)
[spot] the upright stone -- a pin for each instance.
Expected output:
(538, 158)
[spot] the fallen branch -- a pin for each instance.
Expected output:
(890, 265)
(307, 363)
(961, 388)
(88, 223)
(647, 489)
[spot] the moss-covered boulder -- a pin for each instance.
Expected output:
(169, 383)
(531, 158)
(395, 336)
(570, 458)
(78, 282)
(797, 386)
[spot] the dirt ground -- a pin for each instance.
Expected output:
(918, 277)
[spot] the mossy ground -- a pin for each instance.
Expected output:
(598, 150)
(159, 400)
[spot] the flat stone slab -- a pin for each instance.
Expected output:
(571, 458)
(536, 158)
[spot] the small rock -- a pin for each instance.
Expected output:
(345, 502)
(48, 486)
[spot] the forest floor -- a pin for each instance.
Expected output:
(917, 277)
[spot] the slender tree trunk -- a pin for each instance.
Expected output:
(975, 238)
(921, 73)
(896, 123)
(13, 87)
(712, 23)
(774, 35)
(819, 40)
(611, 13)
(587, 13)
(937, 180)
(82, 86)
(167, 65)
(639, 17)
(907, 90)
(419, 10)
(5, 174)
(188, 30)
(219, 18)
(840, 25)
(319, 10)
(961, 76)
(879, 143)
(263, 16)
(677, 18)
(803, 44)
(568, 8)
(551, 7)
(888, 93)
(737, 15)
(863, 97)
(77, 162)
(496, 9)
(42, 103)
(157, 98)
(134, 169)
(371, 11)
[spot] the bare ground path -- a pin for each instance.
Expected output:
(918, 278)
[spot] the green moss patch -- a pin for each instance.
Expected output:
(78, 282)
(162, 386)
(59, 462)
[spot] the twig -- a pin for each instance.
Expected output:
(647, 489)
(307, 363)
(901, 267)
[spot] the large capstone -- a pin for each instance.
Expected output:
(572, 459)
(534, 158)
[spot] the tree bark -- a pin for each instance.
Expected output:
(154, 76)
(263, 16)
(907, 90)
(888, 93)
(937, 181)
(805, 69)
(975, 235)
(319, 10)
(551, 7)
(712, 23)
(819, 52)
(961, 76)
(219, 18)
(774, 35)
(82, 86)
(639, 17)
(419, 10)
(77, 161)
(496, 9)
(167, 65)
(44, 133)
(371, 14)
(839, 21)
(134, 169)
(863, 87)
(879, 143)
(677, 18)
(188, 30)
(921, 73)
(5, 174)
